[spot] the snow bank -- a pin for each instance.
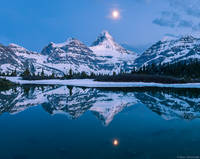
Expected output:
(94, 84)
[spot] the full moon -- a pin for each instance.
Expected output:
(115, 14)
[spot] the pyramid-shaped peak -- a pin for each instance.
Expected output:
(103, 37)
(106, 34)
(106, 43)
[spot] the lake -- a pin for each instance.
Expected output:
(65, 122)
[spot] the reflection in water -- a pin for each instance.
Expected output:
(143, 129)
(115, 142)
(105, 104)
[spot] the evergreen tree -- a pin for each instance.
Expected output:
(53, 75)
(14, 73)
(42, 73)
(26, 73)
(83, 74)
(182, 69)
(38, 74)
(114, 73)
(92, 75)
(70, 73)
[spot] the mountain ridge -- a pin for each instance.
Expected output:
(170, 51)
(59, 58)
(104, 56)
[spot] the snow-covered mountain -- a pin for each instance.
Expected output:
(113, 54)
(71, 54)
(105, 44)
(9, 60)
(105, 56)
(22, 59)
(170, 50)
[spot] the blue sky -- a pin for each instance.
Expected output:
(35, 23)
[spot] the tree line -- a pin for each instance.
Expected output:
(183, 69)
(187, 70)
(27, 75)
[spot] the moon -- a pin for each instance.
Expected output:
(115, 14)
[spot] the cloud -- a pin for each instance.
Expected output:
(167, 19)
(190, 7)
(185, 24)
(143, 1)
(180, 14)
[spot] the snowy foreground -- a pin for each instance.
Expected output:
(94, 84)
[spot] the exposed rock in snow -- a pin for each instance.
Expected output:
(170, 51)
(105, 42)
(105, 57)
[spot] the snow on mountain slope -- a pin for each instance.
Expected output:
(32, 60)
(170, 51)
(25, 54)
(169, 37)
(105, 56)
(105, 45)
(9, 61)
(71, 54)
(105, 48)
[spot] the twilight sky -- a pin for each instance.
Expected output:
(35, 23)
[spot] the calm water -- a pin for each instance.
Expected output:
(51, 122)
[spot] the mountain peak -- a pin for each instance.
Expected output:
(169, 37)
(67, 42)
(74, 41)
(16, 47)
(106, 44)
(72, 45)
(102, 38)
(106, 34)
(187, 38)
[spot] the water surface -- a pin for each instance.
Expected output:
(72, 123)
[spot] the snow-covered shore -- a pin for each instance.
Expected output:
(94, 84)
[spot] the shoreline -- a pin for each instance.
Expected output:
(95, 84)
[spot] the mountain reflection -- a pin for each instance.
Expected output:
(103, 103)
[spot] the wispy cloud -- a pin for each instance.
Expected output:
(190, 7)
(168, 19)
(181, 14)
